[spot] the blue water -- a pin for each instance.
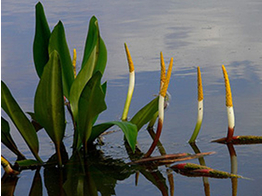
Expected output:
(196, 33)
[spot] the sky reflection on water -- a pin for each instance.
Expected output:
(196, 33)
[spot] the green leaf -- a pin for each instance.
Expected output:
(41, 40)
(49, 102)
(20, 120)
(91, 103)
(94, 42)
(145, 114)
(28, 163)
(7, 139)
(104, 88)
(129, 130)
(95, 57)
(58, 42)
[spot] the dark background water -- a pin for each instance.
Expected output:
(196, 33)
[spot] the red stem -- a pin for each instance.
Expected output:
(158, 133)
(230, 134)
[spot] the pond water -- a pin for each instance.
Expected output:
(196, 33)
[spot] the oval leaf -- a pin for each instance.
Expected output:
(41, 40)
(58, 42)
(49, 102)
(20, 120)
(91, 103)
(95, 57)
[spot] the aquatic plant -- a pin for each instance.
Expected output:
(194, 170)
(83, 93)
(249, 139)
(200, 110)
(162, 94)
(131, 85)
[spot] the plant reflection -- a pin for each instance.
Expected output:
(8, 184)
(233, 160)
(202, 162)
(96, 174)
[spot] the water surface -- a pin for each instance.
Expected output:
(203, 33)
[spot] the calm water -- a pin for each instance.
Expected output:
(196, 33)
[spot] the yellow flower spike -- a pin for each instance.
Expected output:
(163, 91)
(200, 87)
(74, 62)
(129, 59)
(229, 102)
(163, 70)
(168, 75)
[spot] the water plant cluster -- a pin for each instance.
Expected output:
(83, 95)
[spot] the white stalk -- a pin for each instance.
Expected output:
(129, 94)
(161, 102)
(131, 84)
(200, 108)
(231, 117)
(200, 111)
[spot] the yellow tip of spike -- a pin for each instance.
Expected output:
(168, 75)
(163, 69)
(129, 59)
(200, 87)
(74, 62)
(229, 102)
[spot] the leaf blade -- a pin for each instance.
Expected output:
(41, 40)
(95, 58)
(7, 139)
(49, 102)
(20, 120)
(145, 114)
(91, 104)
(129, 130)
(58, 42)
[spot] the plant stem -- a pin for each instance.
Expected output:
(58, 153)
(161, 102)
(131, 85)
(200, 107)
(159, 126)
(229, 105)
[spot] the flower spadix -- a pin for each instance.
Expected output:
(229, 105)
(163, 71)
(163, 90)
(131, 84)
(74, 62)
(200, 107)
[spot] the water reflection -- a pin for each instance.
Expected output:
(203, 163)
(97, 173)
